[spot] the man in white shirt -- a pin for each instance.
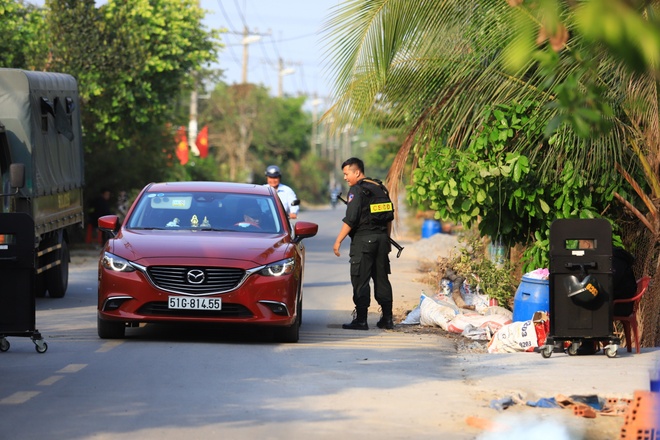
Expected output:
(286, 194)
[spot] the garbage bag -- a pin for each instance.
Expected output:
(515, 337)
(434, 314)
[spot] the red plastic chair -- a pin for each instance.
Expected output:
(630, 322)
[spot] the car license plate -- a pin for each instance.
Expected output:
(191, 303)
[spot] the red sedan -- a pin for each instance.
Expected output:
(203, 252)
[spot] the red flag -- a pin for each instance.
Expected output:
(203, 142)
(181, 145)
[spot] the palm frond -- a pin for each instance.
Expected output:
(433, 66)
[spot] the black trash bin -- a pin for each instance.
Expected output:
(581, 285)
(17, 272)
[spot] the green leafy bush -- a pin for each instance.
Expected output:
(495, 280)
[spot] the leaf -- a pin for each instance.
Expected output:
(517, 173)
(481, 196)
(544, 206)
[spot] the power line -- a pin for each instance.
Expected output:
(268, 60)
(231, 28)
(299, 37)
(305, 89)
(300, 83)
(224, 14)
(274, 44)
(240, 13)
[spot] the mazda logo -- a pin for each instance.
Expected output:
(195, 276)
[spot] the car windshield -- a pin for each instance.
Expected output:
(205, 211)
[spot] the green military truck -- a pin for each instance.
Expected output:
(42, 176)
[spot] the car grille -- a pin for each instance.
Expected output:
(159, 308)
(177, 279)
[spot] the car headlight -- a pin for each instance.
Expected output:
(279, 268)
(115, 263)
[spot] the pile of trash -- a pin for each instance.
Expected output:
(462, 309)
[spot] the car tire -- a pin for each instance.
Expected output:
(289, 334)
(110, 329)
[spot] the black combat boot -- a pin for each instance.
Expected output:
(386, 319)
(359, 321)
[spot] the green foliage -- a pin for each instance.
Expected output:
(198, 169)
(442, 70)
(382, 146)
(501, 192)
(249, 126)
(135, 59)
(628, 30)
(308, 178)
(495, 280)
(281, 130)
(487, 183)
(21, 36)
(129, 168)
(132, 59)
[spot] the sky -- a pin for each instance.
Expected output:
(290, 30)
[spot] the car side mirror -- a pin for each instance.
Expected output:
(109, 223)
(304, 230)
(295, 202)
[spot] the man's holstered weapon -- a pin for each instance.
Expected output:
(392, 242)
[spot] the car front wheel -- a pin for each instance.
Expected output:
(289, 334)
(110, 329)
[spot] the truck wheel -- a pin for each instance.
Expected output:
(57, 278)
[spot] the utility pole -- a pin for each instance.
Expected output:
(282, 72)
(249, 38)
(316, 131)
(347, 150)
(192, 125)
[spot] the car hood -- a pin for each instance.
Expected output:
(160, 247)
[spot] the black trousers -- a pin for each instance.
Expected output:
(369, 258)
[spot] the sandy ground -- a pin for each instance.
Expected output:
(522, 377)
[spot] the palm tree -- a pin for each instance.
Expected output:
(430, 67)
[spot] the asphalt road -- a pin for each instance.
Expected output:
(172, 382)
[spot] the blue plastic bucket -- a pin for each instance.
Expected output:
(430, 227)
(533, 295)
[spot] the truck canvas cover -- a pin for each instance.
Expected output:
(41, 120)
(38, 110)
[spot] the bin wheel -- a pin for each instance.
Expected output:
(4, 344)
(40, 345)
(40, 287)
(610, 350)
(546, 351)
(573, 348)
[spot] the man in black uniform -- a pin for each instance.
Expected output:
(369, 249)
